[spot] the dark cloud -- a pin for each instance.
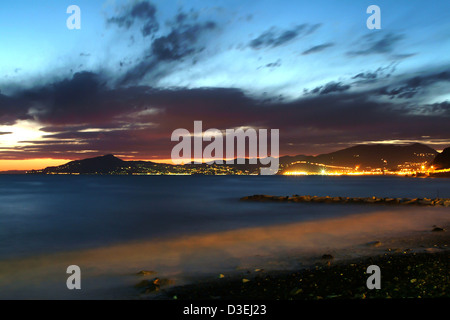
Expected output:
(410, 87)
(318, 48)
(275, 64)
(403, 56)
(181, 42)
(380, 74)
(184, 40)
(85, 118)
(440, 108)
(330, 88)
(366, 75)
(84, 98)
(377, 43)
(142, 12)
(3, 133)
(274, 37)
(13, 109)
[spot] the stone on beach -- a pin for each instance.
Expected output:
(146, 273)
(154, 285)
(374, 243)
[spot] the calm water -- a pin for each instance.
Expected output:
(42, 214)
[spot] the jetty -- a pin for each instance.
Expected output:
(443, 202)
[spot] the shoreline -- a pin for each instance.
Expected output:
(196, 261)
(414, 267)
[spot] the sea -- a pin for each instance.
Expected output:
(184, 225)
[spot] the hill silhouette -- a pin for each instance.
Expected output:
(364, 156)
(98, 165)
(373, 156)
(442, 160)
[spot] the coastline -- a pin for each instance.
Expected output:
(414, 266)
(195, 262)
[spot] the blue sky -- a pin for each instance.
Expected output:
(275, 52)
(38, 43)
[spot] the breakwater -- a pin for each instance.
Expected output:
(445, 202)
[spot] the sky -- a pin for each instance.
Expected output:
(138, 70)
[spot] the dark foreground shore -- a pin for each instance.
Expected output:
(405, 273)
(411, 275)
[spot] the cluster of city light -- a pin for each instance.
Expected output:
(296, 173)
(402, 172)
(331, 173)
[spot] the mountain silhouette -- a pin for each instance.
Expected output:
(374, 156)
(442, 160)
(98, 165)
(362, 156)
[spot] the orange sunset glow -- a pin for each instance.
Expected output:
(31, 164)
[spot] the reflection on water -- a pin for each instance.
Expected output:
(40, 214)
(113, 227)
(108, 272)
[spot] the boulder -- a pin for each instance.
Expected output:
(425, 202)
(146, 273)
(374, 244)
(150, 286)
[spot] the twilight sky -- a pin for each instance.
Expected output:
(137, 70)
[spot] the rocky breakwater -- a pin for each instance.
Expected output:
(444, 202)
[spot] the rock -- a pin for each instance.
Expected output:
(157, 282)
(143, 284)
(166, 282)
(369, 200)
(410, 201)
(150, 286)
(437, 229)
(425, 202)
(146, 273)
(374, 244)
